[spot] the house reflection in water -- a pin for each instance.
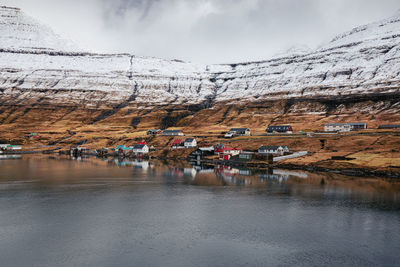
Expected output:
(143, 165)
(243, 176)
(282, 175)
(136, 164)
(190, 172)
(209, 174)
(4, 157)
(229, 175)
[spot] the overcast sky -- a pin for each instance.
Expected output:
(204, 31)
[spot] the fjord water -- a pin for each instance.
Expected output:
(56, 211)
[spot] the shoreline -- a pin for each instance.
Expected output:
(352, 171)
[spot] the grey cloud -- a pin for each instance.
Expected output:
(118, 8)
(209, 31)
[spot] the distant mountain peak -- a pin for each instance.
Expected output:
(378, 30)
(365, 60)
(295, 50)
(18, 31)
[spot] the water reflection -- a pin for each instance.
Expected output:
(136, 164)
(7, 157)
(162, 213)
(227, 175)
(91, 170)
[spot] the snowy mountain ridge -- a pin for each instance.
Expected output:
(38, 66)
(21, 32)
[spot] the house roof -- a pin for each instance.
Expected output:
(390, 126)
(177, 142)
(232, 148)
(171, 131)
(239, 129)
(139, 146)
(206, 148)
(219, 147)
(271, 147)
(342, 124)
(279, 126)
(123, 147)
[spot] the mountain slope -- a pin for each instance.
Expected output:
(365, 60)
(356, 76)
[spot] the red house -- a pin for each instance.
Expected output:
(225, 153)
(220, 148)
(177, 143)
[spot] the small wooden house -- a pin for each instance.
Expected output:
(225, 153)
(201, 152)
(280, 129)
(345, 127)
(229, 152)
(273, 150)
(246, 156)
(190, 143)
(4, 146)
(172, 133)
(154, 132)
(178, 143)
(140, 149)
(220, 148)
(240, 131)
(78, 151)
(390, 126)
(122, 149)
(10, 147)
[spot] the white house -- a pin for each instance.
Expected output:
(274, 150)
(227, 152)
(9, 147)
(140, 149)
(228, 135)
(190, 142)
(240, 131)
(345, 127)
(4, 146)
(172, 133)
(144, 165)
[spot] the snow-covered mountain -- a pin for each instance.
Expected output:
(38, 66)
(21, 32)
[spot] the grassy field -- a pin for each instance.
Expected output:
(65, 126)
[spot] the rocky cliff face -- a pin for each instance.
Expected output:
(359, 71)
(37, 64)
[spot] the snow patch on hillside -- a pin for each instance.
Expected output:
(34, 63)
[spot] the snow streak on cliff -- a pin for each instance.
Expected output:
(36, 64)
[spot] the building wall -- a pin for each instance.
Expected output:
(337, 128)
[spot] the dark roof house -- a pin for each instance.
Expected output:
(280, 129)
(389, 126)
(172, 132)
(139, 146)
(239, 129)
(273, 149)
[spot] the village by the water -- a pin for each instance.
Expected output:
(199, 150)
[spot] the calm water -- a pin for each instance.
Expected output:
(90, 212)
